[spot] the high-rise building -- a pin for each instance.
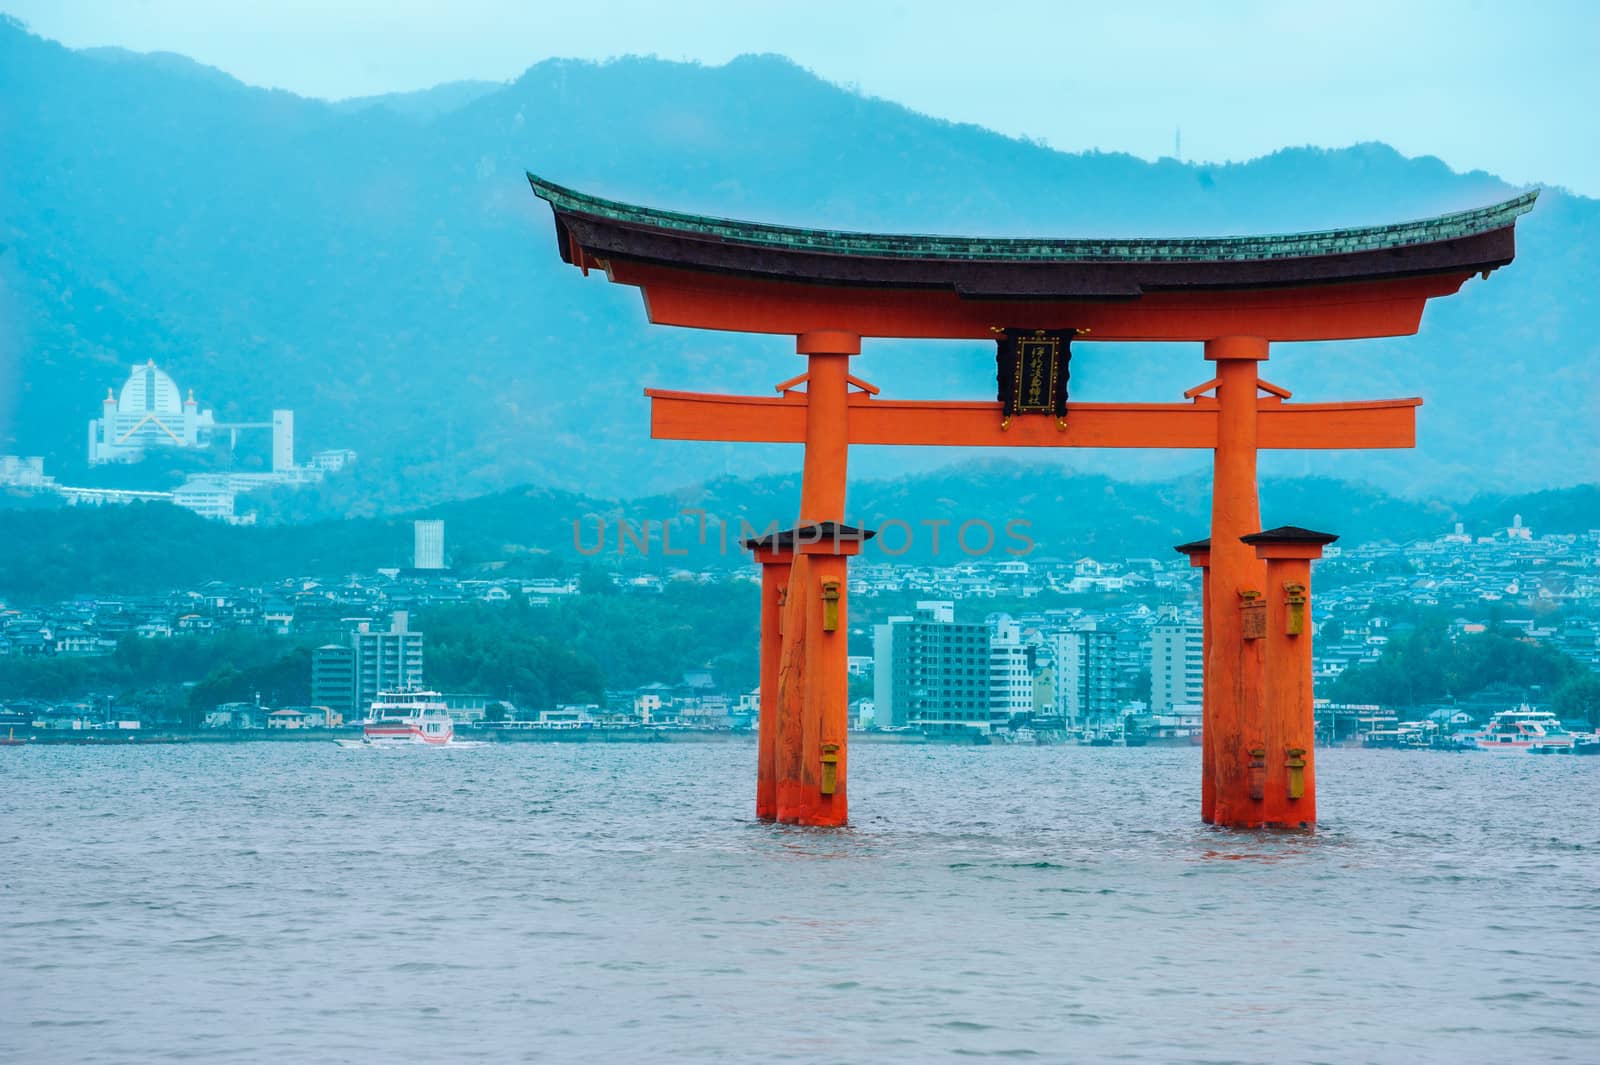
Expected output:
(282, 441)
(386, 661)
(1086, 678)
(1176, 666)
(427, 550)
(333, 679)
(1010, 671)
(931, 671)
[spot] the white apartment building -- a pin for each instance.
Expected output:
(1176, 666)
(1010, 671)
(1086, 671)
(386, 661)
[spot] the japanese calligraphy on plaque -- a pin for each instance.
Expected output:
(1031, 370)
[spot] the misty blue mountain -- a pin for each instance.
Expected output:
(380, 266)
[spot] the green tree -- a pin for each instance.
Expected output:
(595, 581)
(1426, 665)
(1579, 698)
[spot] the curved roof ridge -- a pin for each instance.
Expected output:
(1453, 226)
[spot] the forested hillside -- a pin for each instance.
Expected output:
(382, 268)
(56, 552)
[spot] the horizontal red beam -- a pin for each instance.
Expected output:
(1385, 423)
(1344, 311)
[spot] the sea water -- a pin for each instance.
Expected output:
(276, 902)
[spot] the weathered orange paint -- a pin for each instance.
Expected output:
(1345, 311)
(1289, 707)
(782, 420)
(828, 342)
(1233, 664)
(827, 433)
(813, 706)
(789, 755)
(827, 715)
(774, 579)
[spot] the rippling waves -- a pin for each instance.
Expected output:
(562, 903)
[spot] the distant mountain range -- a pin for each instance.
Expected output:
(380, 266)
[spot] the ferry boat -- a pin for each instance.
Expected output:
(1525, 729)
(407, 719)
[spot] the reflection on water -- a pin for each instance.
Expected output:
(618, 903)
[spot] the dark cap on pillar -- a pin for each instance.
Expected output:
(1199, 552)
(816, 537)
(1287, 534)
(1289, 541)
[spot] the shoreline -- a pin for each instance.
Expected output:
(172, 737)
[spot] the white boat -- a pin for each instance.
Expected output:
(1524, 729)
(408, 719)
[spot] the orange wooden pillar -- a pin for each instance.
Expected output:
(1289, 782)
(775, 565)
(1199, 553)
(805, 721)
(811, 759)
(1233, 670)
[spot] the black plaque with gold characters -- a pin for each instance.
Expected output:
(1032, 367)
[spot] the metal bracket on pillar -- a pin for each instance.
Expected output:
(1296, 764)
(1294, 599)
(1256, 775)
(830, 604)
(829, 785)
(1252, 615)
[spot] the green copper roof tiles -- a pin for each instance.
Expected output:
(1039, 250)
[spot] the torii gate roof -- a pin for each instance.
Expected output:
(724, 274)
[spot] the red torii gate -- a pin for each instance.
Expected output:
(1234, 295)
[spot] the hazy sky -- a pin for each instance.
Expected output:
(1513, 88)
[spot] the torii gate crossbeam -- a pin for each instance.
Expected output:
(1281, 426)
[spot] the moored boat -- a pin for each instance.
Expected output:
(1526, 729)
(407, 719)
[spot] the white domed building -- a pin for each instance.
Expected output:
(149, 412)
